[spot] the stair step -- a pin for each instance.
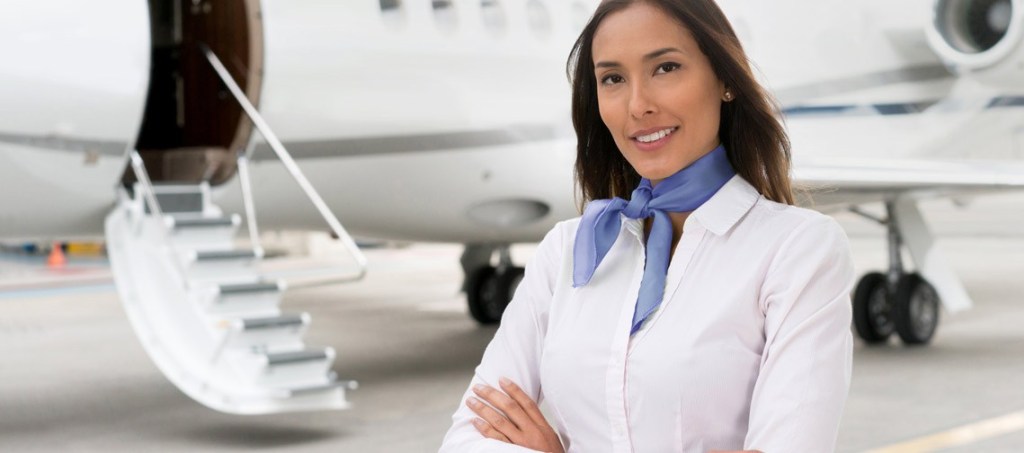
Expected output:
(178, 198)
(220, 265)
(196, 232)
(296, 369)
(176, 187)
(221, 255)
(275, 322)
(248, 288)
(243, 297)
(331, 386)
(269, 331)
(276, 359)
(203, 222)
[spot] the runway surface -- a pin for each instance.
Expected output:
(74, 377)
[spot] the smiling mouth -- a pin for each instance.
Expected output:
(655, 136)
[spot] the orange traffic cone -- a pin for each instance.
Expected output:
(56, 258)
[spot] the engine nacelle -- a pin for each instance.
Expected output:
(981, 38)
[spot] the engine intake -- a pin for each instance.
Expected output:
(981, 37)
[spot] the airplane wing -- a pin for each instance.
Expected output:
(835, 183)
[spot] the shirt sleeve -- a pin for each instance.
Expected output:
(515, 350)
(806, 364)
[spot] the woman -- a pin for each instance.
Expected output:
(706, 313)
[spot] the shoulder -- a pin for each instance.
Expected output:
(789, 216)
(806, 244)
(789, 224)
(561, 234)
(558, 241)
(792, 242)
(548, 267)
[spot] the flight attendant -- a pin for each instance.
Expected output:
(692, 307)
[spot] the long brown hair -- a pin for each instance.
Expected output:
(754, 138)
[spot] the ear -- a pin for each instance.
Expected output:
(726, 93)
(728, 96)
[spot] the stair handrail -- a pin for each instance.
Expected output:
(289, 163)
(247, 200)
(149, 193)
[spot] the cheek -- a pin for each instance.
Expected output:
(607, 112)
(712, 115)
(700, 112)
(612, 117)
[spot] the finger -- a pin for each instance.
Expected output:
(494, 418)
(506, 404)
(488, 431)
(524, 400)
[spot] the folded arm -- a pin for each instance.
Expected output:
(514, 353)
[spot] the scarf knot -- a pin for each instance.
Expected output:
(639, 203)
(599, 227)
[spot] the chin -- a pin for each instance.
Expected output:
(656, 172)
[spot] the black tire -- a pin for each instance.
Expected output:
(873, 315)
(508, 282)
(917, 310)
(489, 292)
(481, 295)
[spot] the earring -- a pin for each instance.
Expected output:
(728, 96)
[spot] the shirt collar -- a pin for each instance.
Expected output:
(720, 213)
(727, 206)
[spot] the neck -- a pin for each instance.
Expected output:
(655, 182)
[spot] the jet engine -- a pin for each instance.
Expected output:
(981, 38)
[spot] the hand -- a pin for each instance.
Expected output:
(519, 422)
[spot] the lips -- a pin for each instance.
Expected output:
(653, 135)
(653, 138)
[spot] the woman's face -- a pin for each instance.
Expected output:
(656, 91)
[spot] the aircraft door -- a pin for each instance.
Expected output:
(192, 128)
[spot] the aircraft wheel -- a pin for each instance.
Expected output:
(872, 309)
(489, 292)
(916, 309)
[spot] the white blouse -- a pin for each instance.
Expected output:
(750, 349)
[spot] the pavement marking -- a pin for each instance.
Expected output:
(963, 435)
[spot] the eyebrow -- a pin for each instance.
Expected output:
(650, 56)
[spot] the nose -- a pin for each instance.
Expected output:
(640, 101)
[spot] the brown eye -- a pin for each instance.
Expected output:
(611, 79)
(667, 67)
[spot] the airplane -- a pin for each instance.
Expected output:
(156, 124)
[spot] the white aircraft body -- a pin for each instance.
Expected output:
(444, 120)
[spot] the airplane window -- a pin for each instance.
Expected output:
(493, 15)
(391, 12)
(538, 18)
(444, 15)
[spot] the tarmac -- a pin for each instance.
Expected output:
(74, 377)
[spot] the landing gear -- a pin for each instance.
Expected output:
(489, 288)
(872, 312)
(917, 310)
(897, 301)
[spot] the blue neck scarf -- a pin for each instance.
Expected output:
(684, 191)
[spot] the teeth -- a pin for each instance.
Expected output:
(655, 136)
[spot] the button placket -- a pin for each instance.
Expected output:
(685, 251)
(615, 380)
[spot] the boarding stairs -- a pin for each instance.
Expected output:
(203, 310)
